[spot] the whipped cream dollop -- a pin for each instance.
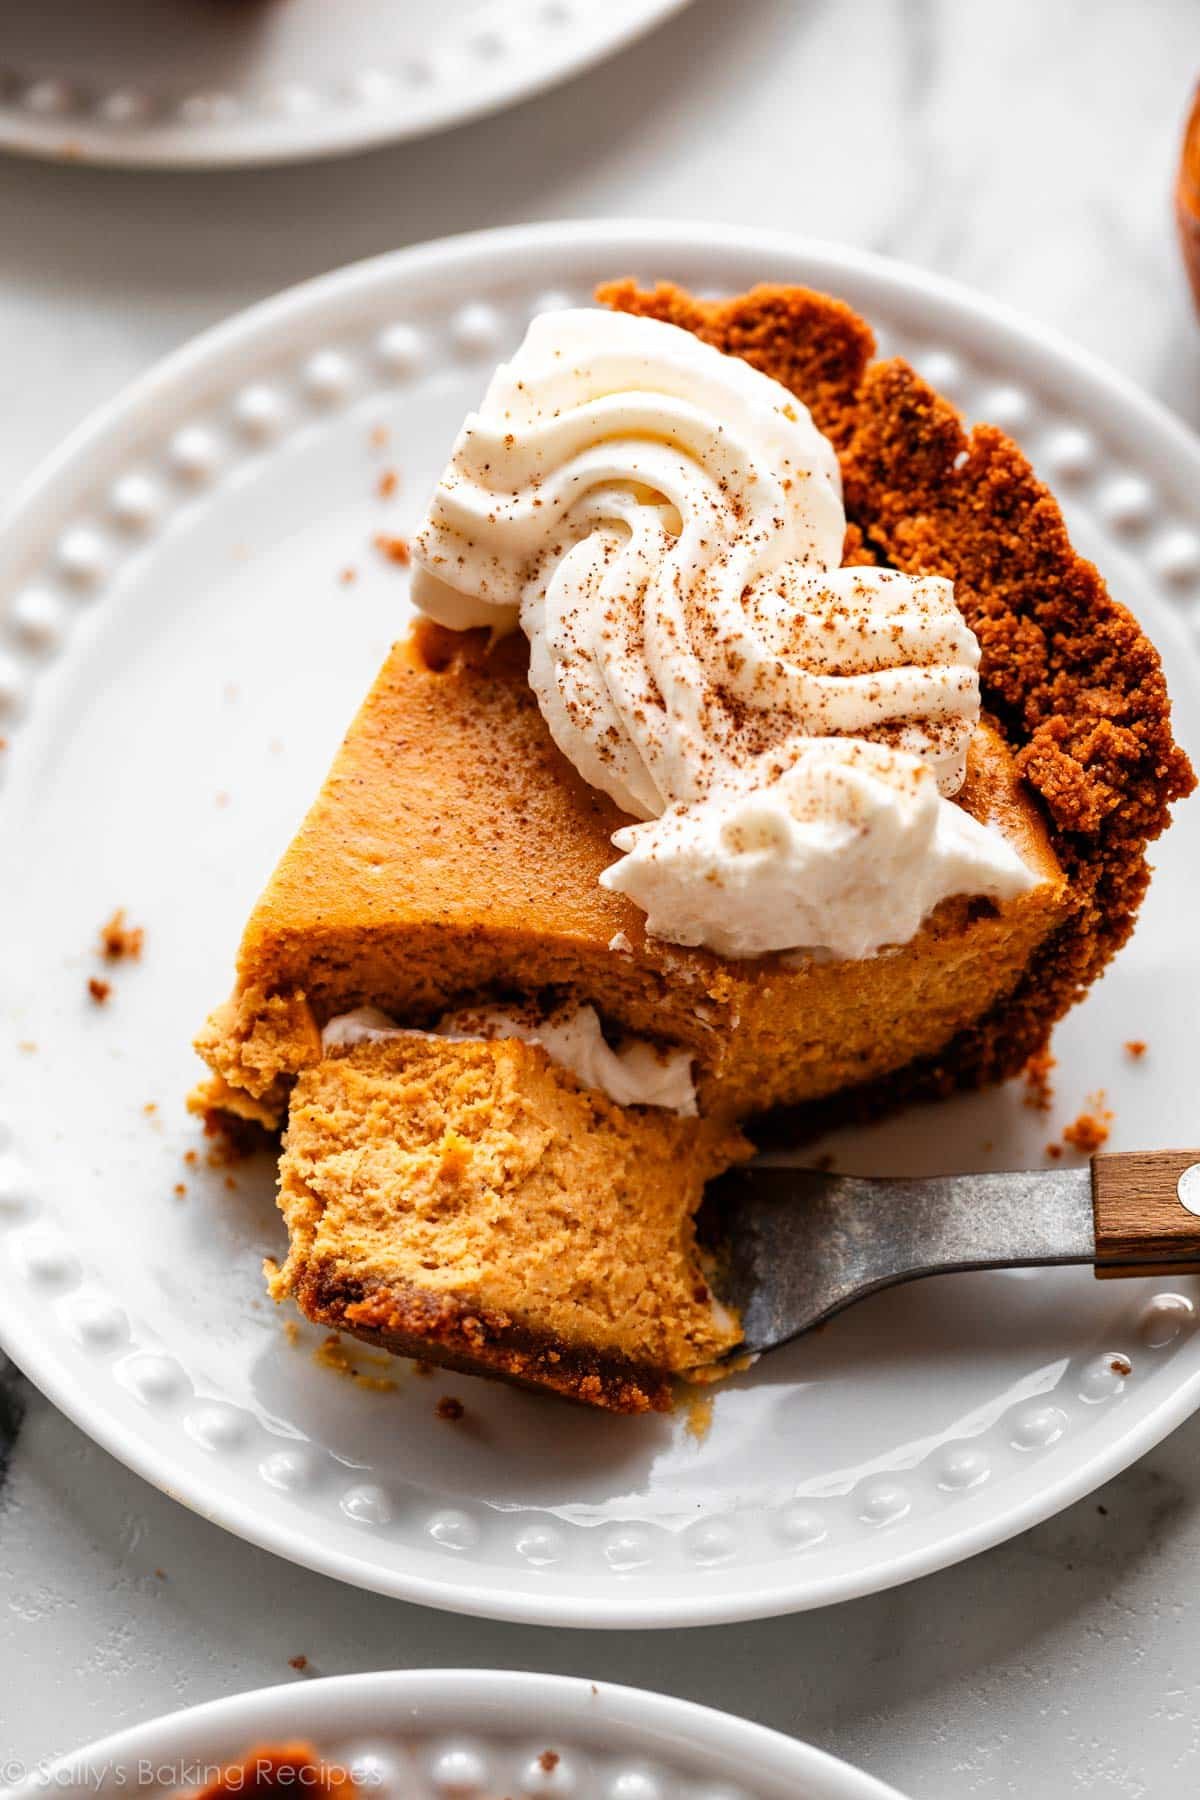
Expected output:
(635, 1073)
(665, 523)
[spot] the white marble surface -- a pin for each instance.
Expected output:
(1026, 149)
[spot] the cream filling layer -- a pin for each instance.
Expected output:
(636, 1073)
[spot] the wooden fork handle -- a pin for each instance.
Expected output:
(1146, 1205)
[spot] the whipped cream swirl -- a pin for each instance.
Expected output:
(665, 524)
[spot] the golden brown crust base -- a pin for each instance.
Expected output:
(1076, 685)
(408, 1321)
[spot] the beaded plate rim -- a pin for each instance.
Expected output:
(509, 53)
(453, 1721)
(177, 431)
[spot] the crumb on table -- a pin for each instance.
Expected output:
(387, 484)
(348, 575)
(99, 990)
(548, 1761)
(298, 1662)
(119, 941)
(1137, 1048)
(449, 1407)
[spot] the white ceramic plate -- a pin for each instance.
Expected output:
(466, 1734)
(203, 82)
(462, 1734)
(178, 659)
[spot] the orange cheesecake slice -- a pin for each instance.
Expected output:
(453, 856)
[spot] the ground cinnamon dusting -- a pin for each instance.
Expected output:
(396, 549)
(119, 941)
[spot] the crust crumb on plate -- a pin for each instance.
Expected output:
(1090, 1131)
(119, 942)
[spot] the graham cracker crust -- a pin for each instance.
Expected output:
(408, 1321)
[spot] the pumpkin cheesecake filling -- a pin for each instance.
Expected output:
(475, 1200)
(887, 825)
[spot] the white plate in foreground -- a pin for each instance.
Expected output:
(425, 1735)
(203, 82)
(192, 609)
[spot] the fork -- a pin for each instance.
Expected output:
(797, 1245)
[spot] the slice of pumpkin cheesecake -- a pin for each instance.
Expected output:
(887, 886)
